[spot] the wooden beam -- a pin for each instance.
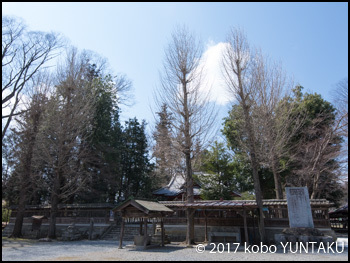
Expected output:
(153, 227)
(206, 227)
(162, 229)
(245, 226)
(121, 234)
(141, 227)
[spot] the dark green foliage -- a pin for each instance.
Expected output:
(118, 163)
(10, 187)
(299, 167)
(105, 142)
(136, 168)
(267, 183)
(233, 129)
(315, 162)
(6, 213)
(222, 174)
(121, 164)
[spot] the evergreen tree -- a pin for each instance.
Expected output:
(315, 161)
(136, 168)
(218, 180)
(224, 173)
(9, 159)
(236, 136)
(311, 156)
(105, 142)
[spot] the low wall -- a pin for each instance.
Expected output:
(81, 230)
(177, 233)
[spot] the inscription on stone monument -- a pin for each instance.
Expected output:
(299, 209)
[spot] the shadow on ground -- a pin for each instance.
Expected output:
(156, 249)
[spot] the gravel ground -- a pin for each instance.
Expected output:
(26, 250)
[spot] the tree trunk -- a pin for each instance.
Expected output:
(189, 179)
(235, 64)
(54, 206)
(53, 215)
(190, 199)
(258, 197)
(17, 230)
(25, 175)
(314, 193)
(276, 177)
(254, 162)
(52, 226)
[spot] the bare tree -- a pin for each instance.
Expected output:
(24, 54)
(341, 101)
(28, 132)
(316, 157)
(166, 156)
(242, 79)
(181, 84)
(65, 133)
(273, 114)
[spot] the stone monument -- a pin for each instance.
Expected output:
(300, 219)
(299, 209)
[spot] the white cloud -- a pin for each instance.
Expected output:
(213, 77)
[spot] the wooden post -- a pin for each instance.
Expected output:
(121, 234)
(162, 229)
(146, 234)
(91, 229)
(154, 227)
(245, 226)
(206, 227)
(141, 226)
(279, 211)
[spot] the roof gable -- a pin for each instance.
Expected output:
(146, 207)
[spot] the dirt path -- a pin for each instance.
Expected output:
(20, 250)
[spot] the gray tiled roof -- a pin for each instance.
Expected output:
(236, 203)
(176, 186)
(153, 206)
(146, 207)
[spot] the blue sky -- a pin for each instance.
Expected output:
(310, 39)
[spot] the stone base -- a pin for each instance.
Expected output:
(139, 240)
(283, 238)
(303, 235)
(45, 239)
(302, 231)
